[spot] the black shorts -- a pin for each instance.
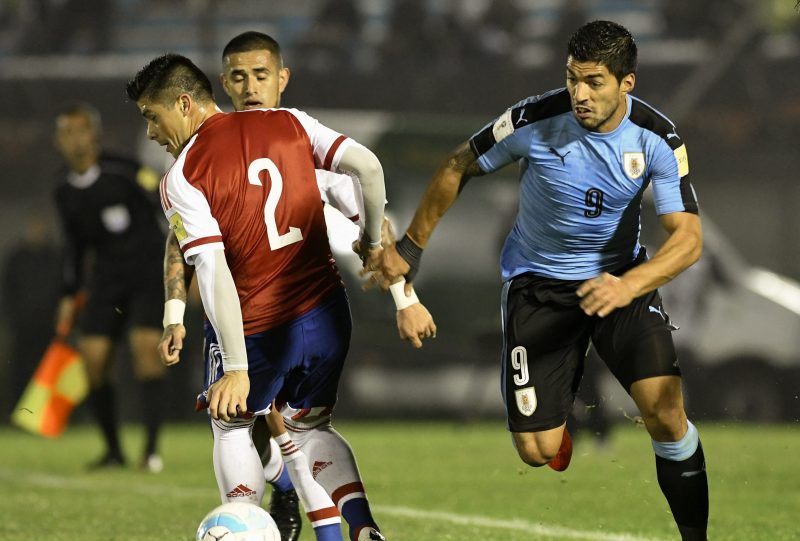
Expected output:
(114, 302)
(545, 339)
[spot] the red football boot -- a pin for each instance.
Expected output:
(564, 455)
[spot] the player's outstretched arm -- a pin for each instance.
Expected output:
(359, 161)
(414, 321)
(605, 293)
(177, 277)
(442, 191)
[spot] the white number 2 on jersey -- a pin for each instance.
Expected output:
(276, 240)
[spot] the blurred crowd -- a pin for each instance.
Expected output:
(342, 34)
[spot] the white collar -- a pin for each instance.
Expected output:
(84, 180)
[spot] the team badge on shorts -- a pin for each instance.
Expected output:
(526, 400)
(633, 163)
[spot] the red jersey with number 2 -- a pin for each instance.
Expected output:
(245, 182)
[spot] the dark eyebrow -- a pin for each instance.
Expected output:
(241, 71)
(592, 76)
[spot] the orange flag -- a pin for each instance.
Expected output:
(58, 385)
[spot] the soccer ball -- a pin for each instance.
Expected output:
(238, 521)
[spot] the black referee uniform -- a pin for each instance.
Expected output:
(114, 249)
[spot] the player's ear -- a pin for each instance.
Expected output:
(283, 79)
(184, 104)
(224, 82)
(627, 83)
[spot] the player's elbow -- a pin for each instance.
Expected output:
(694, 248)
(372, 170)
(364, 163)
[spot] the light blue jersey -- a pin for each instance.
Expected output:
(581, 191)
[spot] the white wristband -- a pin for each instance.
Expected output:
(173, 312)
(399, 295)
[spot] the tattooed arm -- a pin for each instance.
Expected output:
(443, 189)
(177, 274)
(177, 277)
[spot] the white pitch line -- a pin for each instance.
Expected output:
(150, 488)
(556, 532)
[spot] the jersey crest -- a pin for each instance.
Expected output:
(633, 163)
(526, 400)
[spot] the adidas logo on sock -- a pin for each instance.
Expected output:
(318, 467)
(240, 491)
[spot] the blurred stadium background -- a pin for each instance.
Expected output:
(411, 79)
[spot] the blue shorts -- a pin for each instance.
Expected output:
(298, 363)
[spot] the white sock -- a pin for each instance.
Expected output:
(274, 466)
(316, 502)
(237, 465)
(332, 461)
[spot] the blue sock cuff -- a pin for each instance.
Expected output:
(328, 532)
(283, 483)
(680, 450)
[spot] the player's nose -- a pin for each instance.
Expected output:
(581, 92)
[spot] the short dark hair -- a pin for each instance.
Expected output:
(253, 41)
(83, 108)
(606, 43)
(164, 78)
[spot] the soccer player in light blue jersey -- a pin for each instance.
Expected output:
(572, 265)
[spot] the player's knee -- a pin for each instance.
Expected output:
(666, 422)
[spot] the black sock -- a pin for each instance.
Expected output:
(152, 412)
(685, 486)
(101, 400)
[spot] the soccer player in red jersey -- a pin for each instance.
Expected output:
(254, 77)
(243, 202)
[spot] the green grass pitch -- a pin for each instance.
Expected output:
(426, 482)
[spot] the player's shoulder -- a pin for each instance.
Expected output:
(299, 116)
(541, 107)
(254, 118)
(654, 121)
(518, 117)
(270, 112)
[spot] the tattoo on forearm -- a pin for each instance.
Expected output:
(174, 278)
(464, 161)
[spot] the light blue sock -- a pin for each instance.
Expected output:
(680, 450)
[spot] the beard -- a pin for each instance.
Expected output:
(595, 123)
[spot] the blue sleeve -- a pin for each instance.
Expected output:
(505, 139)
(669, 172)
(508, 150)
